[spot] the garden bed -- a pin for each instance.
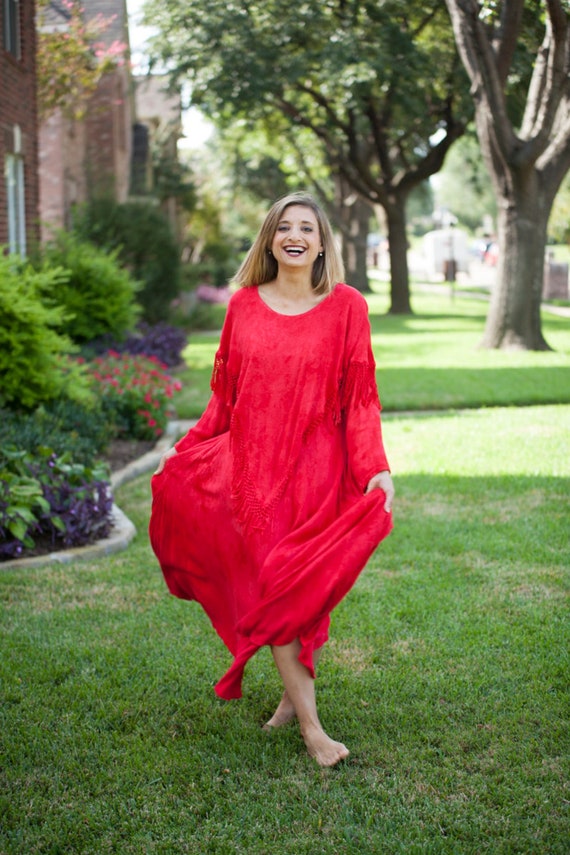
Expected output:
(121, 452)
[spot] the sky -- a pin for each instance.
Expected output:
(196, 128)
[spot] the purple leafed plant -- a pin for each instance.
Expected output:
(163, 341)
(49, 499)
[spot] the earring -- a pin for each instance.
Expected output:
(321, 254)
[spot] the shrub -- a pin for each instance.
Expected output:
(142, 236)
(162, 340)
(136, 393)
(65, 426)
(98, 294)
(206, 316)
(46, 496)
(33, 368)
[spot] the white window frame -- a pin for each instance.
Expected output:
(15, 192)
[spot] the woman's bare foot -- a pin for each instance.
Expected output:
(322, 748)
(284, 713)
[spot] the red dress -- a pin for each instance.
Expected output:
(261, 516)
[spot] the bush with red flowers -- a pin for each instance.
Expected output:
(136, 392)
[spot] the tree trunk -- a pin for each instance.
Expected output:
(355, 227)
(398, 251)
(527, 164)
(513, 320)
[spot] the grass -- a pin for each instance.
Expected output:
(430, 360)
(447, 675)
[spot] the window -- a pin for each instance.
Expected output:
(12, 27)
(14, 172)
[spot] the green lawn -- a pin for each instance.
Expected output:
(430, 360)
(447, 676)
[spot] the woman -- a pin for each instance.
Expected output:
(269, 508)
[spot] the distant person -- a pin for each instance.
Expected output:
(269, 508)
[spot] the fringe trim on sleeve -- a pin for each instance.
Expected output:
(223, 383)
(358, 388)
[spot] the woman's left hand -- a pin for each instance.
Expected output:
(383, 481)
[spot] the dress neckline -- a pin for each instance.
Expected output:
(297, 314)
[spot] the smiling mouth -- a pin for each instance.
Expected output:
(294, 250)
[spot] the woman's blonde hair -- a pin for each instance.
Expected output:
(259, 266)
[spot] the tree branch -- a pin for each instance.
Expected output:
(507, 35)
(480, 62)
(548, 84)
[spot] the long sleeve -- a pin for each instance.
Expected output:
(216, 417)
(214, 421)
(360, 402)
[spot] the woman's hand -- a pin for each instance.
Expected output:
(383, 481)
(170, 453)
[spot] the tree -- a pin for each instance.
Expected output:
(527, 165)
(372, 82)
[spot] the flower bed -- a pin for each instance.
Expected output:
(136, 392)
(54, 488)
(49, 502)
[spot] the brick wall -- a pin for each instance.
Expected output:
(86, 158)
(18, 108)
(109, 137)
(62, 171)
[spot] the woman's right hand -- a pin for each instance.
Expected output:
(167, 454)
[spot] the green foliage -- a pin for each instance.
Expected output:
(98, 294)
(50, 496)
(22, 500)
(139, 235)
(385, 74)
(65, 426)
(378, 86)
(33, 367)
(464, 186)
(204, 316)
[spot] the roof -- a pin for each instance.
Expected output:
(55, 15)
(111, 9)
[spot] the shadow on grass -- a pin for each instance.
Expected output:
(442, 388)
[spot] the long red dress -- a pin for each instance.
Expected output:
(261, 516)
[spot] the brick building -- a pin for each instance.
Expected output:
(18, 126)
(156, 133)
(81, 159)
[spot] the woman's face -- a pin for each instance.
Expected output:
(297, 241)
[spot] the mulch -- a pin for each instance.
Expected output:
(120, 452)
